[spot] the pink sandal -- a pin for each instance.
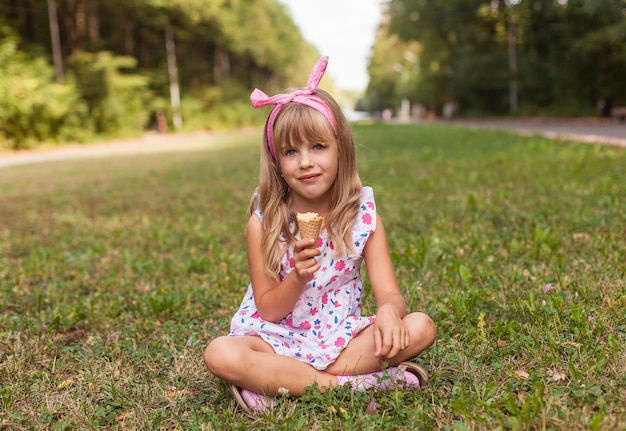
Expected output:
(236, 392)
(257, 403)
(416, 370)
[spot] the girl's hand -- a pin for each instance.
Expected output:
(304, 259)
(390, 333)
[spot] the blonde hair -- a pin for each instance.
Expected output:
(293, 122)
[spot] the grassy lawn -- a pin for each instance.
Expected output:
(116, 272)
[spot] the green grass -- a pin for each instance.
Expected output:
(116, 272)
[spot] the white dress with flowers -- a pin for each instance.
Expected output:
(328, 313)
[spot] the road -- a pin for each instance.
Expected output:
(150, 143)
(591, 130)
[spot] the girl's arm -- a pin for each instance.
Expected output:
(275, 299)
(390, 333)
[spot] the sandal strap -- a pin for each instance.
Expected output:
(236, 392)
(416, 370)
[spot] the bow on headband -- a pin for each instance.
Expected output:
(303, 97)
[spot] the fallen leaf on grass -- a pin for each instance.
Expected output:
(502, 343)
(522, 374)
(65, 383)
(143, 287)
(571, 344)
(174, 393)
(558, 376)
(123, 416)
(333, 410)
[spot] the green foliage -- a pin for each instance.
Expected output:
(116, 99)
(221, 108)
(568, 55)
(394, 72)
(115, 52)
(33, 108)
(116, 272)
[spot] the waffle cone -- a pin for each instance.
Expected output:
(309, 224)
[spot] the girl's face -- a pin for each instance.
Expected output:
(310, 168)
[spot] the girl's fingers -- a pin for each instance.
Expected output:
(305, 244)
(377, 342)
(399, 341)
(396, 346)
(388, 343)
(304, 253)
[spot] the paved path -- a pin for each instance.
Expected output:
(590, 130)
(150, 143)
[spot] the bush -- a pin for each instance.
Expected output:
(116, 99)
(33, 108)
(221, 108)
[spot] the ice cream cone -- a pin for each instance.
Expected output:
(309, 224)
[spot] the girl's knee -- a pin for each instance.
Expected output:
(218, 355)
(422, 326)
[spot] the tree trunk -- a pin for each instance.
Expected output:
(93, 23)
(221, 65)
(512, 67)
(172, 68)
(56, 41)
(129, 27)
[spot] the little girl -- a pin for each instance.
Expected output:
(300, 321)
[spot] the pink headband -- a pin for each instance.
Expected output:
(303, 97)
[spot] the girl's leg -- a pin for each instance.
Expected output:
(358, 356)
(250, 363)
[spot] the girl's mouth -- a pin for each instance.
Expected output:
(309, 178)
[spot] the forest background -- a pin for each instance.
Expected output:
(84, 70)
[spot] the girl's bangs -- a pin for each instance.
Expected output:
(297, 123)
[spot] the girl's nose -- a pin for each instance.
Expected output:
(305, 162)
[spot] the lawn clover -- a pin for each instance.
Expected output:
(548, 288)
(372, 408)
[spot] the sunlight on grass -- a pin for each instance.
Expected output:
(115, 273)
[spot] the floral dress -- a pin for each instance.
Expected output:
(328, 313)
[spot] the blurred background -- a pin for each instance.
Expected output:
(86, 70)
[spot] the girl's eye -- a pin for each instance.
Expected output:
(318, 146)
(290, 152)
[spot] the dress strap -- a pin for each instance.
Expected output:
(256, 203)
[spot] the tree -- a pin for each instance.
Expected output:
(561, 55)
(33, 108)
(219, 54)
(459, 43)
(394, 72)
